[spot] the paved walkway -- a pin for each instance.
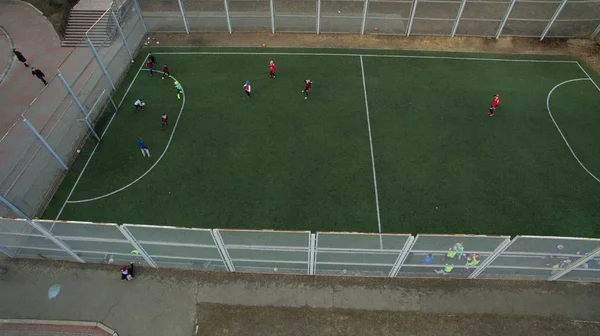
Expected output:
(163, 302)
(35, 37)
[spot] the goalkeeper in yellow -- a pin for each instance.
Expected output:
(179, 89)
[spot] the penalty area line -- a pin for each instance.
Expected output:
(98, 143)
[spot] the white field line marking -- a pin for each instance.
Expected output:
(558, 128)
(369, 55)
(96, 147)
(362, 70)
(588, 76)
(155, 163)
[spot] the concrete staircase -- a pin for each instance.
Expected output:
(80, 21)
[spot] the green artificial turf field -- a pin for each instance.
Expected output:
(279, 161)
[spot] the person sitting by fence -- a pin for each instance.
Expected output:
(127, 272)
(472, 261)
(455, 252)
(560, 265)
(428, 259)
(446, 270)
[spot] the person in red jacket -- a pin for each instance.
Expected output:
(150, 67)
(166, 71)
(495, 104)
(307, 86)
(272, 68)
(164, 119)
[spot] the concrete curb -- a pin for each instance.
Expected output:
(59, 323)
(10, 62)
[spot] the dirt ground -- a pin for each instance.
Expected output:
(221, 320)
(586, 50)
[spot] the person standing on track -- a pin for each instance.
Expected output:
(39, 74)
(272, 68)
(307, 86)
(20, 57)
(495, 103)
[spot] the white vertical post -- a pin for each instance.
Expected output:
(122, 35)
(99, 60)
(458, 16)
(318, 16)
(272, 16)
(364, 20)
(311, 253)
(228, 17)
(497, 252)
(412, 17)
(139, 10)
(125, 232)
(505, 18)
(216, 235)
(576, 264)
(596, 32)
(410, 242)
(554, 17)
(44, 143)
(41, 229)
(78, 103)
(185, 22)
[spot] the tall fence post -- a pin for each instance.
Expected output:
(596, 31)
(312, 247)
(118, 24)
(136, 245)
(458, 16)
(413, 9)
(318, 16)
(272, 5)
(78, 103)
(41, 229)
(575, 265)
(44, 143)
(139, 10)
(99, 60)
(222, 250)
(364, 20)
(554, 17)
(228, 17)
(410, 242)
(495, 254)
(505, 18)
(185, 22)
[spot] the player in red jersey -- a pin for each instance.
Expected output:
(272, 68)
(495, 104)
(150, 67)
(307, 85)
(164, 119)
(248, 89)
(166, 71)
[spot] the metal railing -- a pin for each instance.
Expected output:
(486, 18)
(303, 252)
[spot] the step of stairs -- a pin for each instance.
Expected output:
(81, 20)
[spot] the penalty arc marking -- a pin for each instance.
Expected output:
(558, 128)
(149, 169)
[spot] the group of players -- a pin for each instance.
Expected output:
(272, 67)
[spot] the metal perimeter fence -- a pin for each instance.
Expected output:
(77, 103)
(486, 18)
(303, 252)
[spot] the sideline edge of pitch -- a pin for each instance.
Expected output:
(558, 128)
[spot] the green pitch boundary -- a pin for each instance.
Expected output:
(358, 55)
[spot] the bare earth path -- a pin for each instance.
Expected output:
(165, 302)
